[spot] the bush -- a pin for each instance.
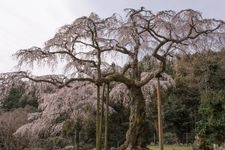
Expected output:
(170, 138)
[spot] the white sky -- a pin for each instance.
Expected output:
(26, 23)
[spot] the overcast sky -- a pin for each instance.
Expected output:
(26, 23)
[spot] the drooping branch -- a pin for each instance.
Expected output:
(59, 81)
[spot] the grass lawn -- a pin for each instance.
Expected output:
(171, 147)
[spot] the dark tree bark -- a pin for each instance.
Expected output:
(136, 134)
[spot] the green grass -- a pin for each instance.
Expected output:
(171, 147)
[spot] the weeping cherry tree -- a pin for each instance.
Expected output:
(103, 50)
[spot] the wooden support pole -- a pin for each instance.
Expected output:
(98, 140)
(160, 125)
(106, 117)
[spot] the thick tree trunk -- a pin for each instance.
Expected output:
(136, 134)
